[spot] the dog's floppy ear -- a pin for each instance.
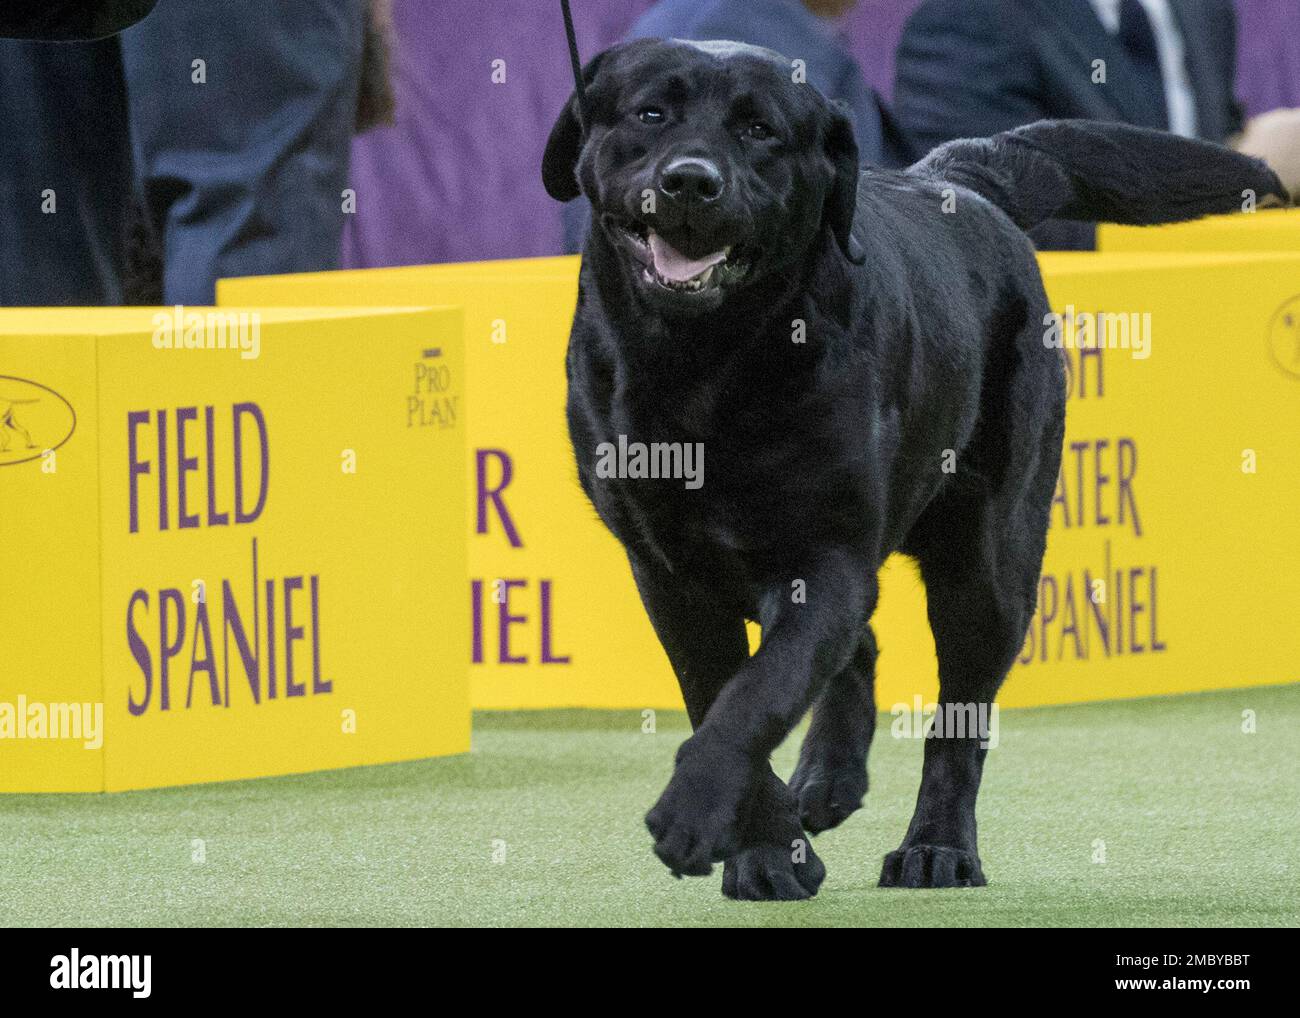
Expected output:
(842, 202)
(564, 145)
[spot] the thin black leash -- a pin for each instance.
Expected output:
(578, 84)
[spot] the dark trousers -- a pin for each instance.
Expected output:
(240, 173)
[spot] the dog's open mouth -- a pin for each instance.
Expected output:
(664, 265)
(678, 271)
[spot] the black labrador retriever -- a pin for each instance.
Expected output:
(860, 354)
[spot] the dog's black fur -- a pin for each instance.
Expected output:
(924, 335)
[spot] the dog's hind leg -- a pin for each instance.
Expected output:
(706, 647)
(981, 591)
(978, 627)
(831, 777)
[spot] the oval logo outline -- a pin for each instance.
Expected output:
(1285, 319)
(6, 415)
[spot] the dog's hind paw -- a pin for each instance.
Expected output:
(770, 873)
(828, 795)
(932, 866)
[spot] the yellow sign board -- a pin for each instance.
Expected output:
(233, 543)
(555, 619)
(1266, 230)
(1170, 563)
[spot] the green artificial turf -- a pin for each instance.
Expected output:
(542, 825)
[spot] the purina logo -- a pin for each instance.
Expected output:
(34, 420)
(1284, 337)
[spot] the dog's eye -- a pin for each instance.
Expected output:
(759, 131)
(651, 115)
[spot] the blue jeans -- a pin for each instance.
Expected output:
(239, 174)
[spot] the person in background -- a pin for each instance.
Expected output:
(228, 125)
(972, 68)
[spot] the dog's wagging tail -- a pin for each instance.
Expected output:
(829, 335)
(1092, 171)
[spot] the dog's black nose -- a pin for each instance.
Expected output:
(691, 181)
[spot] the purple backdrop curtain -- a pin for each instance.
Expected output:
(1268, 54)
(458, 177)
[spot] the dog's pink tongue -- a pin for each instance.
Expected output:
(674, 266)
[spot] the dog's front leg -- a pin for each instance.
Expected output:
(707, 647)
(810, 630)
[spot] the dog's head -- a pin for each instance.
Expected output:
(709, 167)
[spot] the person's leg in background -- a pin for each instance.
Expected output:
(243, 158)
(65, 173)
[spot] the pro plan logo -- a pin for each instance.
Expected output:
(34, 420)
(1284, 337)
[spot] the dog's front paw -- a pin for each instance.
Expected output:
(695, 822)
(932, 866)
(828, 792)
(773, 873)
